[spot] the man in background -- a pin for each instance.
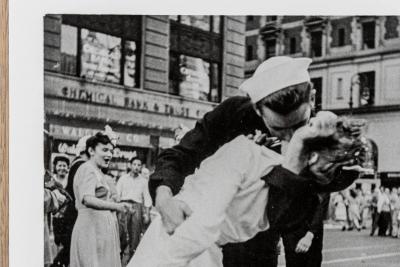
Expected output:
(133, 188)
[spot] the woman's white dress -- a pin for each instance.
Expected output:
(228, 200)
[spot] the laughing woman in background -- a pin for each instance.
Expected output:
(95, 240)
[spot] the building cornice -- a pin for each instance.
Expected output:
(374, 55)
(367, 110)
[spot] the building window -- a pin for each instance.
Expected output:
(250, 18)
(196, 59)
(367, 88)
(341, 35)
(339, 89)
(270, 48)
(271, 18)
(368, 35)
(193, 77)
(100, 57)
(205, 23)
(130, 63)
(249, 52)
(293, 45)
(317, 85)
(69, 49)
(316, 44)
(96, 55)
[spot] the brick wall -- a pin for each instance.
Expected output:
(52, 42)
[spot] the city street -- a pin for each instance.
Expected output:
(345, 249)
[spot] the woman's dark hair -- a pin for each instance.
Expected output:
(60, 158)
(98, 138)
(342, 149)
(287, 99)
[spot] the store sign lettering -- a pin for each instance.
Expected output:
(85, 95)
(128, 102)
(76, 133)
(117, 153)
(66, 149)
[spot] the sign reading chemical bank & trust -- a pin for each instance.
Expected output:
(117, 96)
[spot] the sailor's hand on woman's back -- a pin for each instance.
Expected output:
(173, 212)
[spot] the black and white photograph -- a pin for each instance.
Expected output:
(206, 140)
(218, 139)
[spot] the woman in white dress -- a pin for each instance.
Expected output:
(228, 201)
(95, 238)
(340, 210)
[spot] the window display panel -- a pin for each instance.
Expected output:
(69, 49)
(101, 57)
(201, 22)
(130, 63)
(195, 77)
(216, 24)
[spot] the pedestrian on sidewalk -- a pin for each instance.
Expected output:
(71, 213)
(354, 211)
(95, 239)
(61, 233)
(133, 189)
(394, 209)
(340, 210)
(384, 212)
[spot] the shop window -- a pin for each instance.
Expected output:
(216, 24)
(130, 63)
(195, 58)
(367, 88)
(316, 44)
(317, 86)
(341, 35)
(194, 78)
(100, 57)
(368, 35)
(293, 45)
(100, 54)
(174, 17)
(205, 23)
(270, 48)
(69, 49)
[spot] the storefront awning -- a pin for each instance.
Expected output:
(74, 133)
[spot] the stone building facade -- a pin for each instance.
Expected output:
(355, 70)
(142, 75)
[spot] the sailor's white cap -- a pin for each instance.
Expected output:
(275, 74)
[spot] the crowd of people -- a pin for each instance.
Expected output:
(379, 210)
(224, 195)
(85, 205)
